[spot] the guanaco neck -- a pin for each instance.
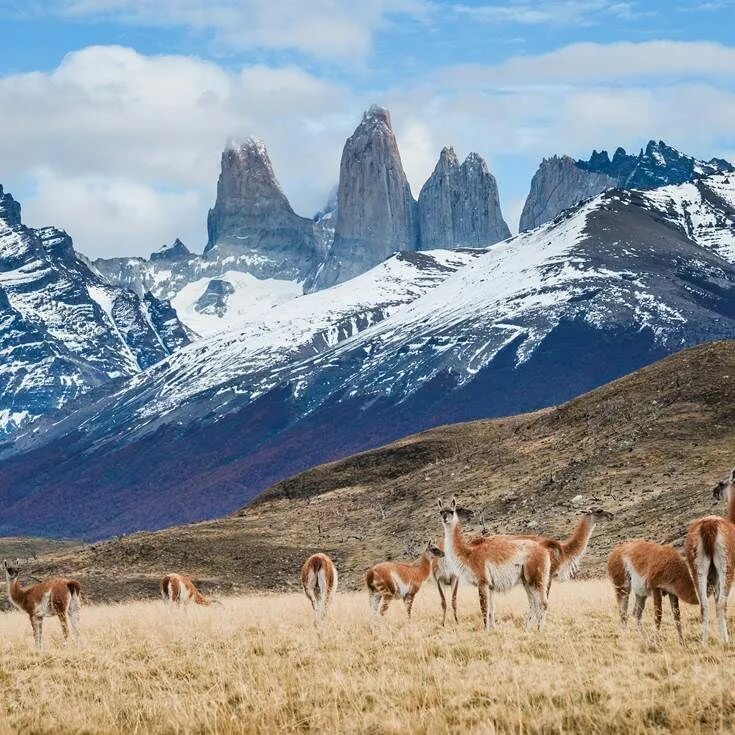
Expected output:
(576, 544)
(730, 502)
(16, 593)
(685, 591)
(454, 541)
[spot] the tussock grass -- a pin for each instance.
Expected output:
(258, 665)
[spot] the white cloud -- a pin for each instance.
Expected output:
(112, 217)
(584, 63)
(321, 28)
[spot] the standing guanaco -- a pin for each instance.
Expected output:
(395, 580)
(497, 564)
(57, 596)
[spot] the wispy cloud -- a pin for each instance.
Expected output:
(554, 12)
(325, 29)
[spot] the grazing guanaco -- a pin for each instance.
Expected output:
(710, 553)
(178, 589)
(57, 596)
(646, 568)
(319, 580)
(497, 564)
(566, 556)
(395, 580)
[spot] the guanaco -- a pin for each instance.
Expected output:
(566, 556)
(319, 580)
(710, 553)
(647, 568)
(395, 580)
(497, 564)
(178, 589)
(57, 596)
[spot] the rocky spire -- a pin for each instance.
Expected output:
(173, 251)
(459, 206)
(376, 213)
(253, 217)
(9, 209)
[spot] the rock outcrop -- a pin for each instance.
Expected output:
(253, 218)
(214, 298)
(376, 212)
(559, 183)
(459, 205)
(562, 182)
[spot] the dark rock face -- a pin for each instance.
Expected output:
(9, 209)
(459, 206)
(376, 212)
(253, 218)
(172, 252)
(560, 183)
(214, 298)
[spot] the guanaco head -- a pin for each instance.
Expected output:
(10, 572)
(452, 513)
(721, 491)
(599, 514)
(432, 550)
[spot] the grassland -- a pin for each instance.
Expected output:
(258, 665)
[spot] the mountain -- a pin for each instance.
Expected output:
(648, 447)
(253, 220)
(613, 284)
(561, 182)
(459, 205)
(376, 212)
(65, 331)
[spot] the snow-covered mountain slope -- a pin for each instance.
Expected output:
(299, 328)
(66, 331)
(605, 288)
(211, 293)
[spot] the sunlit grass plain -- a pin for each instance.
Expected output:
(258, 665)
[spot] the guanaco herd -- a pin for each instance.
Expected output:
(492, 563)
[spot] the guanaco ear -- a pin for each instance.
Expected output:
(5, 563)
(454, 503)
(732, 475)
(441, 502)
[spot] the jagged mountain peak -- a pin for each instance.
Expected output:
(9, 209)
(175, 250)
(459, 206)
(377, 115)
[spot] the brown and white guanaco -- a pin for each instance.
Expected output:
(497, 564)
(319, 580)
(646, 568)
(391, 580)
(179, 590)
(57, 596)
(710, 553)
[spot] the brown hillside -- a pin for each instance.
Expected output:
(648, 447)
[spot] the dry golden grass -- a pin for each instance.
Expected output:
(258, 665)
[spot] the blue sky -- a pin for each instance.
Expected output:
(114, 112)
